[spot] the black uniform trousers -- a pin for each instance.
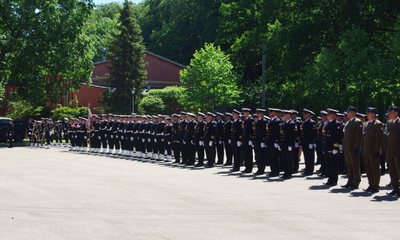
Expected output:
(309, 157)
(210, 151)
(177, 153)
(260, 157)
(48, 139)
(287, 161)
(66, 137)
(248, 156)
(184, 152)
(322, 158)
(332, 165)
(229, 153)
(200, 155)
(71, 137)
(10, 139)
(110, 138)
(103, 134)
(220, 151)
(167, 146)
(149, 143)
(295, 159)
(273, 155)
(237, 156)
(79, 139)
(160, 145)
(84, 139)
(117, 137)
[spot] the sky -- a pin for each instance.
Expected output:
(118, 1)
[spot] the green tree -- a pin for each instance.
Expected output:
(210, 79)
(127, 64)
(43, 50)
(163, 101)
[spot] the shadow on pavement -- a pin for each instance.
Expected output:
(319, 187)
(384, 198)
(341, 190)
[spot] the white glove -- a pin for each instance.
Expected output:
(162, 139)
(131, 138)
(191, 141)
(183, 142)
(262, 145)
(279, 148)
(210, 143)
(149, 140)
(155, 140)
(229, 141)
(310, 146)
(112, 136)
(105, 135)
(220, 142)
(289, 148)
(315, 145)
(276, 145)
(142, 140)
(84, 137)
(169, 143)
(122, 137)
(99, 137)
(334, 151)
(239, 143)
(116, 136)
(340, 147)
(250, 143)
(296, 145)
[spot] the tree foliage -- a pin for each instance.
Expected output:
(127, 64)
(43, 50)
(210, 79)
(163, 101)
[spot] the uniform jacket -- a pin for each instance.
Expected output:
(373, 137)
(393, 138)
(331, 133)
(288, 133)
(209, 131)
(309, 131)
(236, 130)
(260, 130)
(273, 131)
(189, 131)
(219, 134)
(247, 129)
(227, 130)
(352, 137)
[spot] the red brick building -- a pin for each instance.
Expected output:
(161, 72)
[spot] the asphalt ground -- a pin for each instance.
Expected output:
(58, 194)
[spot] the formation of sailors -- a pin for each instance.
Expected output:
(342, 142)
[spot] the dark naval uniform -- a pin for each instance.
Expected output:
(188, 142)
(174, 139)
(10, 133)
(308, 136)
(219, 136)
(228, 142)
(199, 142)
(287, 145)
(181, 135)
(236, 136)
(330, 146)
(393, 153)
(247, 144)
(273, 139)
(259, 137)
(209, 140)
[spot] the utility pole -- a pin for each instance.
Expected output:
(263, 74)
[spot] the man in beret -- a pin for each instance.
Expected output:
(308, 136)
(330, 146)
(373, 137)
(228, 139)
(393, 149)
(352, 141)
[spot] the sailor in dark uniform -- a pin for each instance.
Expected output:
(228, 139)
(199, 138)
(167, 138)
(247, 142)
(272, 141)
(236, 138)
(174, 137)
(10, 132)
(181, 135)
(288, 135)
(259, 137)
(219, 138)
(308, 136)
(188, 140)
(209, 139)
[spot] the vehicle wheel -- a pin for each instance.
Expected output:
(19, 137)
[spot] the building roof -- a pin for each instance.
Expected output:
(147, 52)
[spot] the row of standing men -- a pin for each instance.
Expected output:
(276, 140)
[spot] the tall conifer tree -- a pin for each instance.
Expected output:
(127, 69)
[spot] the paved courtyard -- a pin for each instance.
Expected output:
(57, 194)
